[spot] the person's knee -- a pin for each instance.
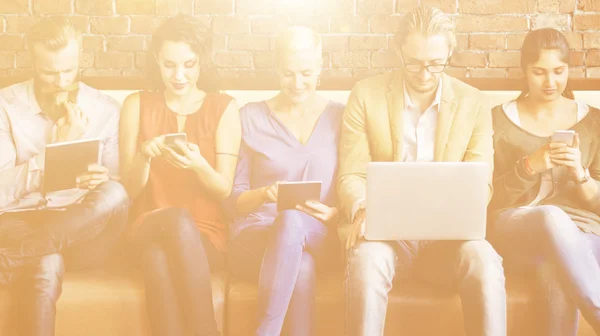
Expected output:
(481, 264)
(552, 220)
(371, 264)
(289, 227)
(177, 223)
(155, 260)
(45, 277)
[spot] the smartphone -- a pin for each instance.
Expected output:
(172, 138)
(566, 137)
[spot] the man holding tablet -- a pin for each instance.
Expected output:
(419, 115)
(55, 109)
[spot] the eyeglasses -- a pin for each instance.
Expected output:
(431, 68)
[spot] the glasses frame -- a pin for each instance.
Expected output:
(428, 67)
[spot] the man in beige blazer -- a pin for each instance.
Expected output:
(416, 114)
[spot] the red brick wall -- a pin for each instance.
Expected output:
(356, 32)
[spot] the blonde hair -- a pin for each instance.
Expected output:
(54, 33)
(426, 21)
(298, 39)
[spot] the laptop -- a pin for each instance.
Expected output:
(426, 201)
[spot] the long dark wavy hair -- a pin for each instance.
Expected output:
(544, 39)
(192, 31)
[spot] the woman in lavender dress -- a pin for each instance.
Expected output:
(290, 137)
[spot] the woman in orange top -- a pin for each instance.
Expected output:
(178, 235)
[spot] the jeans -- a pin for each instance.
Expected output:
(284, 258)
(566, 261)
(471, 267)
(176, 261)
(36, 246)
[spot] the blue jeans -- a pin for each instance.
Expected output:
(284, 258)
(472, 268)
(176, 260)
(36, 246)
(565, 260)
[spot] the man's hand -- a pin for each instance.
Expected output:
(357, 229)
(72, 126)
(95, 176)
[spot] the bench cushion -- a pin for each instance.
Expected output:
(413, 308)
(103, 302)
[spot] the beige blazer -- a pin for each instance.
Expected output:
(372, 130)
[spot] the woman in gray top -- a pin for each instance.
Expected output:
(544, 215)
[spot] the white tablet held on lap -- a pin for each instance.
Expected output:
(64, 161)
(426, 200)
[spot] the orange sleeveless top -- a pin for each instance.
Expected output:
(169, 186)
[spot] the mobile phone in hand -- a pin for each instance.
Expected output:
(566, 137)
(172, 139)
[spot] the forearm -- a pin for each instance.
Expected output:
(511, 185)
(588, 191)
(16, 181)
(214, 182)
(136, 178)
(251, 200)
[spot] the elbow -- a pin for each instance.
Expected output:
(223, 193)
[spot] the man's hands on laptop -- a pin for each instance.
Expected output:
(357, 228)
(72, 126)
(95, 176)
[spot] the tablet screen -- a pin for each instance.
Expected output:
(65, 161)
(290, 194)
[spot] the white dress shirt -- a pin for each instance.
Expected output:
(419, 129)
(25, 131)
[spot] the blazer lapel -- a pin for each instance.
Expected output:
(445, 120)
(395, 107)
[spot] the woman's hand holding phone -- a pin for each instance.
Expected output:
(190, 157)
(568, 156)
(540, 160)
(152, 148)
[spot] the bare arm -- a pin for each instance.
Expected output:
(110, 150)
(219, 180)
(135, 167)
(589, 192)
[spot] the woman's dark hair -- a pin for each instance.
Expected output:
(190, 30)
(544, 39)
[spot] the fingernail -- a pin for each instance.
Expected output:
(77, 180)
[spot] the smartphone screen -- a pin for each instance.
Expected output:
(171, 139)
(565, 137)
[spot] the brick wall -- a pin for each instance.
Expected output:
(356, 32)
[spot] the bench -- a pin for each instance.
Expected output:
(110, 301)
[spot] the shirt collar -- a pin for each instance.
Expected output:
(34, 107)
(436, 101)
